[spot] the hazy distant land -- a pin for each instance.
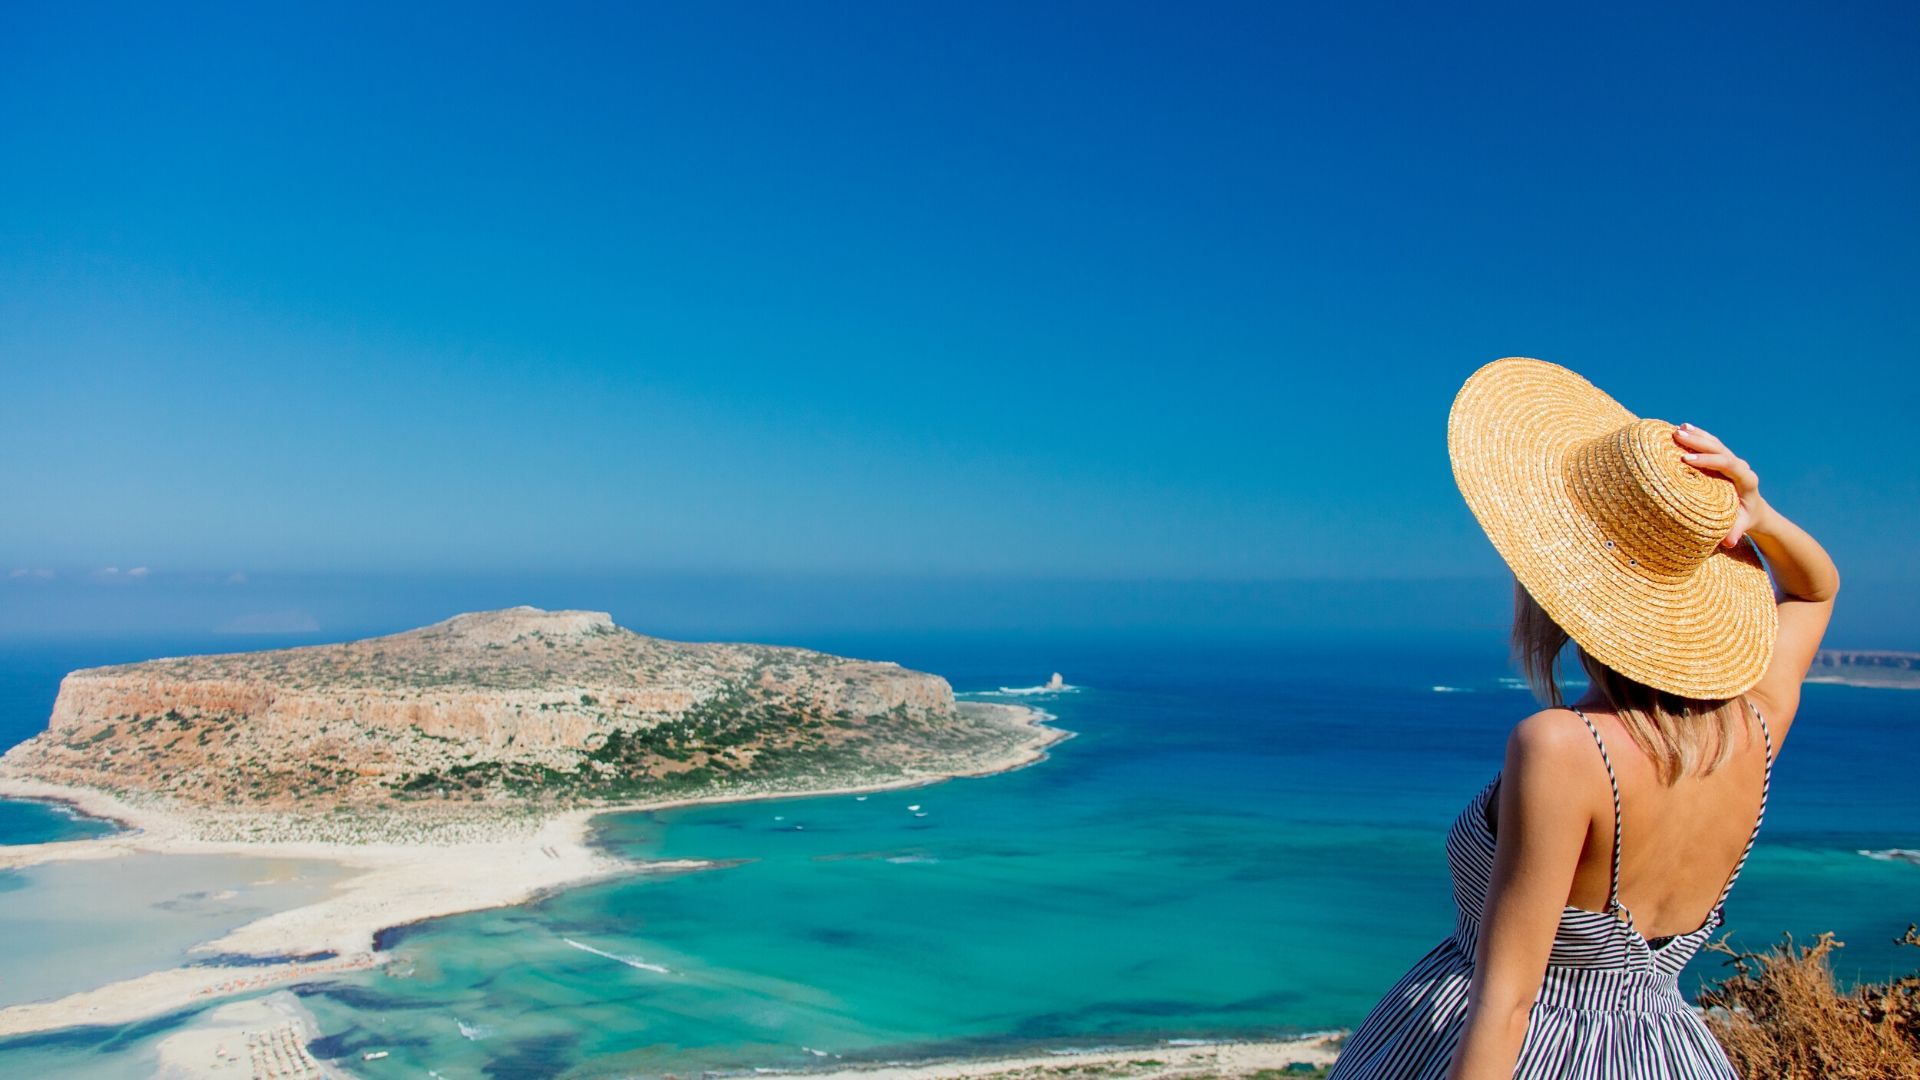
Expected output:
(1878, 669)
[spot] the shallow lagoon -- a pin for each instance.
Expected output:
(71, 926)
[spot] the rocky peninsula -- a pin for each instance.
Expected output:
(458, 767)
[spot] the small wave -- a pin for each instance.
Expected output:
(630, 961)
(912, 859)
(1905, 855)
(473, 1032)
(1192, 1042)
(1451, 690)
(1033, 691)
(1040, 715)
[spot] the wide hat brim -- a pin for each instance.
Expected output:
(1518, 435)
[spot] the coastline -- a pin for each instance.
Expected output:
(398, 883)
(1871, 669)
(267, 1036)
(1232, 1058)
(1868, 682)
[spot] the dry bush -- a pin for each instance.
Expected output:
(1781, 1017)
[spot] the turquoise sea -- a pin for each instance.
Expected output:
(1243, 839)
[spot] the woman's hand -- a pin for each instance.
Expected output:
(1804, 577)
(1708, 454)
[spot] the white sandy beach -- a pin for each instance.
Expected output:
(396, 884)
(247, 1040)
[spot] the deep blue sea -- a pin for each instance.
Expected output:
(1244, 838)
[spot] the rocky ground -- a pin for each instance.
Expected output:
(487, 713)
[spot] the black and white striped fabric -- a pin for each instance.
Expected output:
(1609, 1007)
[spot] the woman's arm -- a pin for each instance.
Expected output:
(1547, 806)
(1804, 577)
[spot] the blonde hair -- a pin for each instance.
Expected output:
(1681, 735)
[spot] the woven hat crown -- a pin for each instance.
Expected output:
(1657, 514)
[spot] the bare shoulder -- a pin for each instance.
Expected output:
(1553, 783)
(1550, 738)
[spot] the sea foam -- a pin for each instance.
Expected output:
(1032, 691)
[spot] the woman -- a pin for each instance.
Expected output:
(1599, 860)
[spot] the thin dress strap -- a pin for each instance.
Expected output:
(1613, 890)
(1766, 787)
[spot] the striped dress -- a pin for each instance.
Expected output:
(1609, 1006)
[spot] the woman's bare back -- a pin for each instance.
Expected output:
(1679, 843)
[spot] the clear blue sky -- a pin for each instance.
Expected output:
(1055, 291)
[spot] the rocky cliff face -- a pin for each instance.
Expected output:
(516, 705)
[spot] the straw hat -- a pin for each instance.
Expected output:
(1615, 536)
